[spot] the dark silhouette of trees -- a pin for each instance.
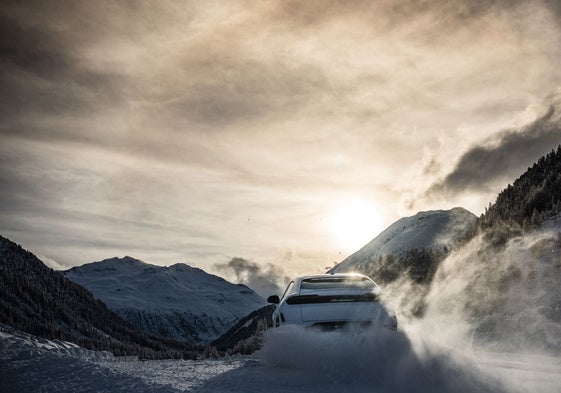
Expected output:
(533, 198)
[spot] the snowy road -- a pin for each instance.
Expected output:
(536, 374)
(291, 361)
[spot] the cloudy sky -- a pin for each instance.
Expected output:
(277, 133)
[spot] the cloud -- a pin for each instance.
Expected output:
(265, 280)
(53, 264)
(184, 118)
(504, 156)
(41, 69)
(319, 11)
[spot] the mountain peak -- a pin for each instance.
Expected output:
(126, 263)
(125, 260)
(438, 230)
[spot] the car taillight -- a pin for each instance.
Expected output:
(314, 299)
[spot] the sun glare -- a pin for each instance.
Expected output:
(354, 223)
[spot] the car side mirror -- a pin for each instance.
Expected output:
(273, 299)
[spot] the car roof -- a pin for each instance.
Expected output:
(298, 281)
(332, 275)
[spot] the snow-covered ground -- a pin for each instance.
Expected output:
(292, 360)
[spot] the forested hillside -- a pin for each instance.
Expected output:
(532, 198)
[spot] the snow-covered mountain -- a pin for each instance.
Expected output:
(178, 301)
(438, 230)
(38, 300)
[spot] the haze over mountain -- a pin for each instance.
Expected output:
(178, 301)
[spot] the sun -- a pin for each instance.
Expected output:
(354, 223)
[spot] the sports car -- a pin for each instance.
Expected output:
(332, 301)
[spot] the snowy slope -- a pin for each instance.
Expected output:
(22, 345)
(35, 365)
(552, 224)
(178, 301)
(437, 230)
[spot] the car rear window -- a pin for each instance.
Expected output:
(337, 282)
